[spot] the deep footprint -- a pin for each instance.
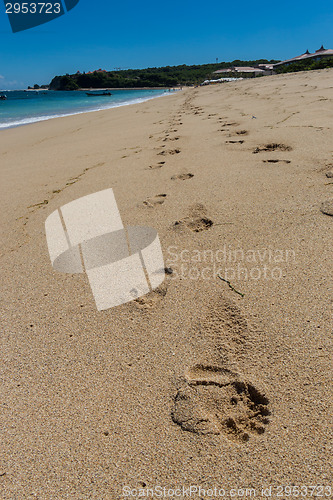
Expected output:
(197, 221)
(217, 401)
(272, 147)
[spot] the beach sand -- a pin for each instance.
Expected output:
(193, 384)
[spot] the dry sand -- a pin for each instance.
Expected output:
(192, 384)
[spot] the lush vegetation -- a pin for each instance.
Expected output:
(168, 76)
(306, 65)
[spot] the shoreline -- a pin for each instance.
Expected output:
(203, 381)
(30, 121)
(128, 88)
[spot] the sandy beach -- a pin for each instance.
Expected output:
(204, 382)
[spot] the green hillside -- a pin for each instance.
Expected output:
(168, 76)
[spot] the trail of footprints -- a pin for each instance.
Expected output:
(36, 206)
(326, 207)
(265, 148)
(168, 136)
(195, 221)
(225, 128)
(211, 399)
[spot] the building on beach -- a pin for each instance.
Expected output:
(269, 69)
(316, 56)
(259, 70)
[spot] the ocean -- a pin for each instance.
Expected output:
(23, 107)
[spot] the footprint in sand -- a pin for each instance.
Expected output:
(159, 165)
(39, 205)
(170, 152)
(171, 138)
(152, 299)
(241, 132)
(235, 142)
(182, 177)
(197, 221)
(327, 207)
(272, 147)
(229, 124)
(214, 400)
(329, 174)
(276, 161)
(159, 199)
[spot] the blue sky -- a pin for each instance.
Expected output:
(127, 34)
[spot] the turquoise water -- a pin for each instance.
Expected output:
(23, 107)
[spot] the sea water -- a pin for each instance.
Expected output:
(23, 107)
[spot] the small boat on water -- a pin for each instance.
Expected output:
(3, 97)
(97, 94)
